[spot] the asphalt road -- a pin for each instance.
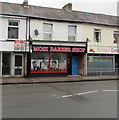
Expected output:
(61, 100)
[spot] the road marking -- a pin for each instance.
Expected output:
(53, 94)
(110, 90)
(78, 94)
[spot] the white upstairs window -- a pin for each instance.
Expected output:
(71, 33)
(97, 35)
(13, 29)
(47, 31)
(116, 36)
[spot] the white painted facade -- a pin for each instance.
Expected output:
(4, 29)
(7, 46)
(59, 33)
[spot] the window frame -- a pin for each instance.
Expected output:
(12, 26)
(48, 33)
(99, 35)
(71, 34)
(115, 41)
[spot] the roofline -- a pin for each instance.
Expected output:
(60, 9)
(50, 19)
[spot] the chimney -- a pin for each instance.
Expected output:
(68, 7)
(25, 3)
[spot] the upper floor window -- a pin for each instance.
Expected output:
(71, 33)
(97, 35)
(47, 31)
(13, 29)
(116, 36)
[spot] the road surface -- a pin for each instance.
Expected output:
(61, 100)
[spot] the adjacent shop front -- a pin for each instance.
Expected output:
(12, 58)
(56, 60)
(102, 59)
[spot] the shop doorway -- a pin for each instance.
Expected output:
(75, 65)
(18, 66)
(6, 64)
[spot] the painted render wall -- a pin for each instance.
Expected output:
(106, 34)
(4, 28)
(60, 30)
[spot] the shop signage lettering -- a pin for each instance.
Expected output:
(113, 50)
(107, 50)
(78, 49)
(40, 49)
(19, 45)
(58, 49)
(103, 50)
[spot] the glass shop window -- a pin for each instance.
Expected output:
(58, 62)
(39, 62)
(49, 62)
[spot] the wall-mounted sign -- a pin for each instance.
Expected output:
(59, 49)
(103, 50)
(19, 45)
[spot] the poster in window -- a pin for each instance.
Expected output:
(35, 64)
(43, 64)
(62, 64)
(54, 64)
(39, 65)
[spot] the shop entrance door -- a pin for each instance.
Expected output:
(6, 64)
(75, 65)
(18, 68)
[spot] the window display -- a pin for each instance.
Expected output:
(62, 64)
(58, 61)
(48, 62)
(39, 62)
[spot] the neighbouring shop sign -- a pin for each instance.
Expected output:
(19, 45)
(103, 50)
(58, 49)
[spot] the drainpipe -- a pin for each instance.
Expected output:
(1, 64)
(29, 54)
(25, 56)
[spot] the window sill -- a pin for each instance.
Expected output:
(11, 39)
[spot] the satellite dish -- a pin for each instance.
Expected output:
(36, 32)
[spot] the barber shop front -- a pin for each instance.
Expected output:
(57, 60)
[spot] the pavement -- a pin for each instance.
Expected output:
(70, 78)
